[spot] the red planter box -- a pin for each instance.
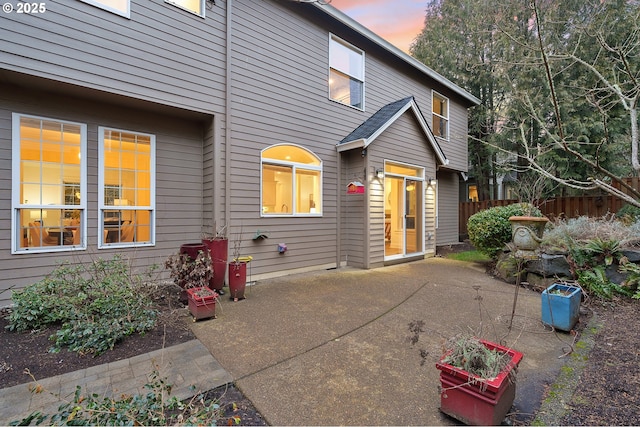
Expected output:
(475, 401)
(202, 307)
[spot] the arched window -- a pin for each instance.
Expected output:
(291, 181)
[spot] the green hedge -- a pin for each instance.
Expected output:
(490, 229)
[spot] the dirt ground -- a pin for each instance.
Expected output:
(608, 391)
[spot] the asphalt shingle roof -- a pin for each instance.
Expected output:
(370, 126)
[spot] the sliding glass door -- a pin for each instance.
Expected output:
(404, 210)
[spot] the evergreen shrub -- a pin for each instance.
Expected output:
(490, 229)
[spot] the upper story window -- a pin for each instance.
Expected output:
(291, 181)
(126, 188)
(440, 116)
(195, 6)
(346, 73)
(49, 184)
(121, 7)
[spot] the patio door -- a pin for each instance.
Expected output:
(404, 211)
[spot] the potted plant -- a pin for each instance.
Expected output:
(202, 302)
(218, 246)
(238, 270)
(561, 306)
(477, 379)
(190, 268)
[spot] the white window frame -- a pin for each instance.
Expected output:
(446, 118)
(102, 4)
(102, 207)
(335, 39)
(294, 166)
(177, 3)
(16, 203)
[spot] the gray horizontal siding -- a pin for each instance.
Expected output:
(179, 188)
(277, 98)
(161, 54)
(447, 232)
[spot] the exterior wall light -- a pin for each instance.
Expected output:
(433, 182)
(380, 173)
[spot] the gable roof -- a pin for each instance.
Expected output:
(364, 31)
(371, 128)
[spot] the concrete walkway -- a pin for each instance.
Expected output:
(331, 348)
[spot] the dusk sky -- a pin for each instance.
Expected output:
(397, 21)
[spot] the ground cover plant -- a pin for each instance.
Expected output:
(92, 305)
(594, 247)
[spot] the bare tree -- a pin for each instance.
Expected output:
(608, 73)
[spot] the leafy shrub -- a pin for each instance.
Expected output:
(632, 281)
(490, 229)
(189, 273)
(95, 305)
(596, 282)
(628, 213)
(150, 409)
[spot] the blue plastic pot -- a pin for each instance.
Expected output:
(561, 306)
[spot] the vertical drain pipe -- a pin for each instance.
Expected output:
(227, 119)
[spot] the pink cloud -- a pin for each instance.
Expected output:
(398, 22)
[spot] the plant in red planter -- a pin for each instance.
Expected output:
(190, 268)
(238, 270)
(202, 303)
(477, 378)
(218, 246)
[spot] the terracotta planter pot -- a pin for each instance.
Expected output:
(218, 250)
(202, 306)
(476, 401)
(561, 306)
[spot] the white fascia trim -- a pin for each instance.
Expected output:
(356, 143)
(355, 25)
(427, 131)
(364, 143)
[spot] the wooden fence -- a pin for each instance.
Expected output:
(569, 207)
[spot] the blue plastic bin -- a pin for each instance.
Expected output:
(561, 310)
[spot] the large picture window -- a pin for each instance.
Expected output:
(440, 116)
(291, 181)
(49, 184)
(346, 73)
(126, 188)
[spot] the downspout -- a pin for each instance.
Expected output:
(227, 119)
(367, 214)
(339, 212)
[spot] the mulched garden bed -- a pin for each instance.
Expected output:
(29, 350)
